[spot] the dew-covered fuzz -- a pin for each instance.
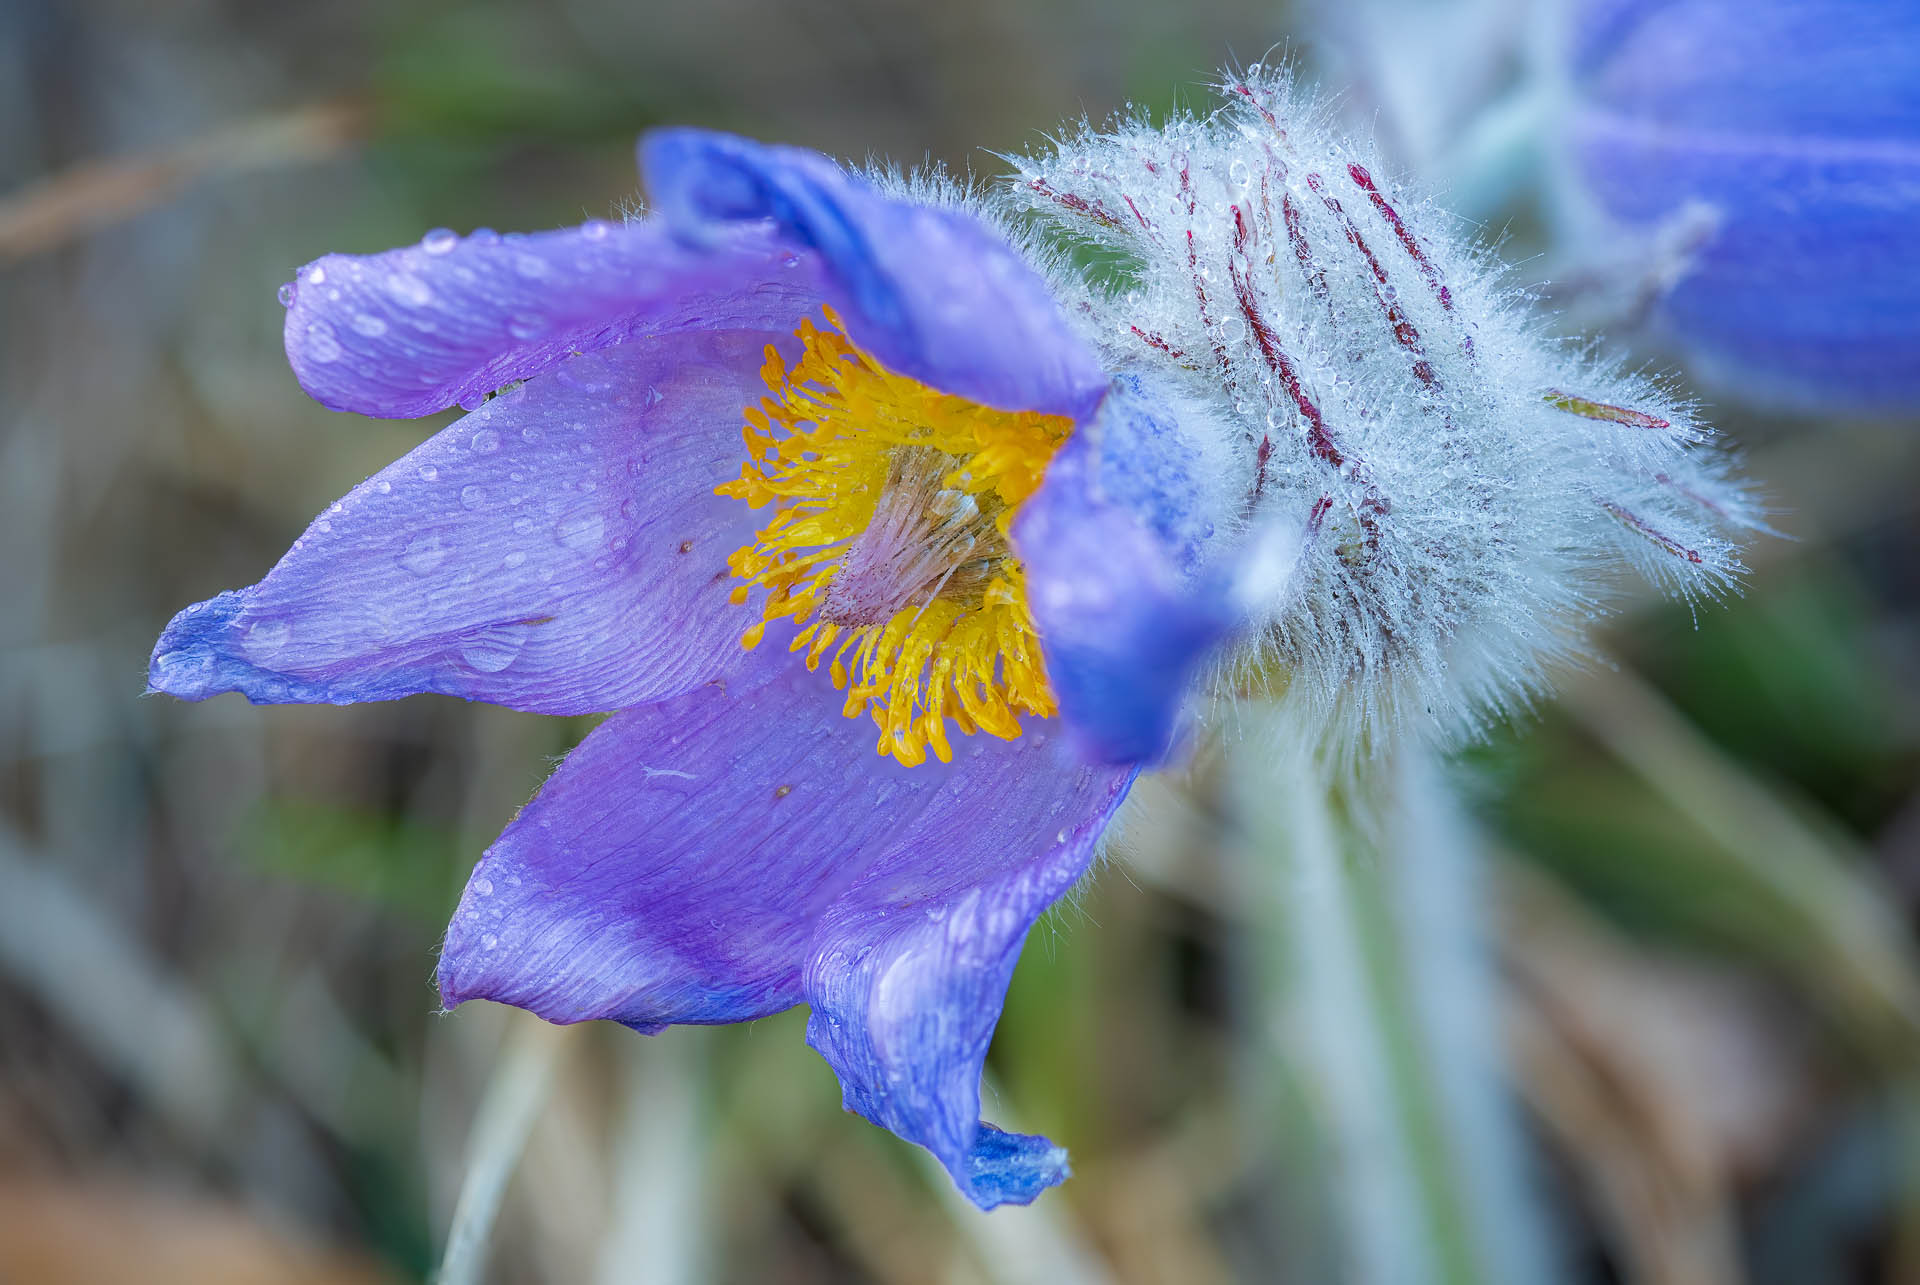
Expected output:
(1463, 486)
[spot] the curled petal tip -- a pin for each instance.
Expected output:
(1011, 1168)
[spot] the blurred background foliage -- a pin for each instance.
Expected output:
(220, 1058)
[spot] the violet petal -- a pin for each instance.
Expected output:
(910, 967)
(1118, 546)
(447, 321)
(934, 293)
(558, 550)
(727, 854)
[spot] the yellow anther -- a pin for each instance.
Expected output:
(888, 544)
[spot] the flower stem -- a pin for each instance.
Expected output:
(1386, 1011)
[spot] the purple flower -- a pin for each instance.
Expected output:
(1793, 129)
(801, 455)
(883, 380)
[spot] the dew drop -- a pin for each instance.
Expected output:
(322, 345)
(439, 241)
(317, 276)
(383, 486)
(493, 648)
(514, 559)
(472, 497)
(428, 473)
(485, 442)
(587, 372)
(286, 294)
(530, 266)
(595, 230)
(580, 529)
(409, 290)
(424, 554)
(369, 325)
(265, 637)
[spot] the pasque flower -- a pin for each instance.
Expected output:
(1790, 130)
(802, 455)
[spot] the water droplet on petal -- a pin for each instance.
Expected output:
(322, 344)
(428, 472)
(409, 290)
(493, 648)
(485, 442)
(472, 497)
(580, 529)
(316, 276)
(586, 371)
(439, 241)
(286, 294)
(369, 325)
(425, 553)
(265, 637)
(595, 229)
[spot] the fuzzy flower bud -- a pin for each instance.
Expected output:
(1462, 487)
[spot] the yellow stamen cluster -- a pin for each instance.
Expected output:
(933, 626)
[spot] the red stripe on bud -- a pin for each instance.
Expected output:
(1364, 181)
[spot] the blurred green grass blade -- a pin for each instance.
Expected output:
(393, 862)
(1834, 927)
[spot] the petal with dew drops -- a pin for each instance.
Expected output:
(445, 322)
(934, 292)
(727, 854)
(558, 550)
(910, 967)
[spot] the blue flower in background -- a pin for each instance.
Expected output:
(1794, 127)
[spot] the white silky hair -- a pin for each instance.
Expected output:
(1458, 491)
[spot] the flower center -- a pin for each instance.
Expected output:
(888, 543)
